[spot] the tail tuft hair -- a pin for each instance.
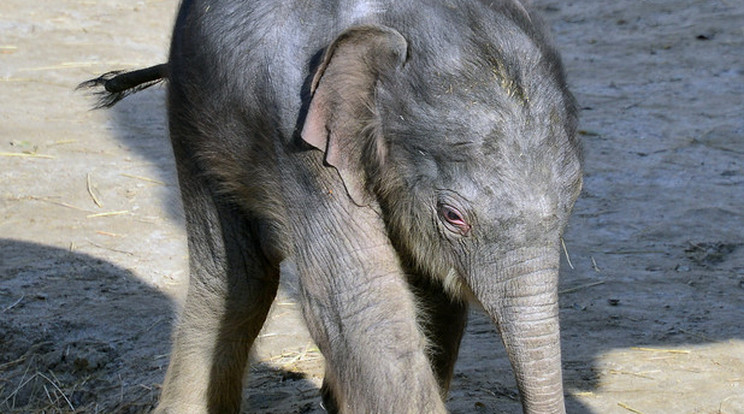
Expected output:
(111, 87)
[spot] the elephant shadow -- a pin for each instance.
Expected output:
(140, 123)
(80, 334)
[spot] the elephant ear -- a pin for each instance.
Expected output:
(342, 119)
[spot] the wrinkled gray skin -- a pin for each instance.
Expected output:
(405, 158)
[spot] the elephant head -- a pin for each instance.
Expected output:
(469, 151)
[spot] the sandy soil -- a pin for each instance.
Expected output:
(92, 252)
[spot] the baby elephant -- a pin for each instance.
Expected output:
(405, 158)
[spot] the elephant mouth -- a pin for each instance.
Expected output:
(456, 286)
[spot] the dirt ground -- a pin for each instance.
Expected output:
(92, 250)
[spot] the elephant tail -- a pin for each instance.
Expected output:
(111, 87)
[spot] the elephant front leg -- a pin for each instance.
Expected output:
(362, 315)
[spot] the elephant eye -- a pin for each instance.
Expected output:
(454, 220)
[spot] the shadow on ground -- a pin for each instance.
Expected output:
(140, 123)
(79, 334)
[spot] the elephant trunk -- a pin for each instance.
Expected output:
(524, 304)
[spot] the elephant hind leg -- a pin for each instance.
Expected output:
(231, 288)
